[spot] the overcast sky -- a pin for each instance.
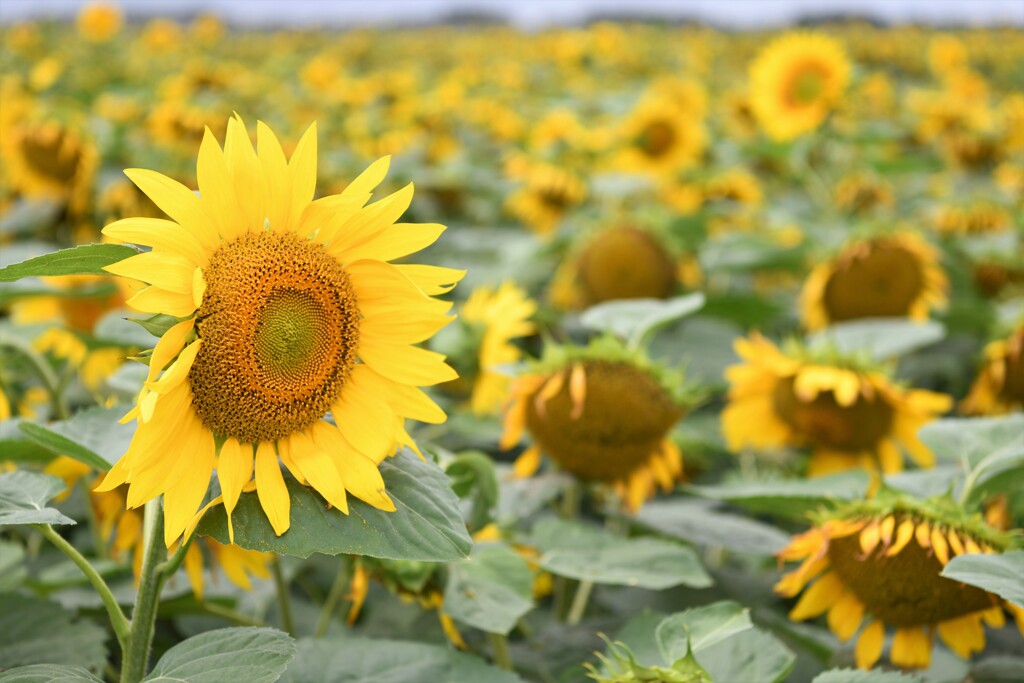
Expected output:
(533, 14)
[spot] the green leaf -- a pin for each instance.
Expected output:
(24, 495)
(746, 253)
(790, 497)
(426, 526)
(47, 673)
(490, 590)
(999, 669)
(116, 328)
(362, 660)
(999, 574)
(755, 655)
(956, 439)
(634, 319)
(157, 324)
(881, 338)
(12, 568)
(38, 631)
(84, 260)
(92, 436)
(699, 628)
(253, 655)
(587, 553)
(859, 676)
(698, 522)
(473, 477)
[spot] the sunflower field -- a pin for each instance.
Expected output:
(466, 354)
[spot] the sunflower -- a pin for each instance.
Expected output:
(49, 159)
(877, 563)
(973, 217)
(98, 22)
(659, 137)
(849, 413)
(735, 185)
(999, 387)
(619, 262)
(861, 193)
(603, 414)
(288, 309)
(548, 194)
(502, 314)
(796, 81)
(892, 275)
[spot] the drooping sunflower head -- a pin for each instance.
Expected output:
(841, 407)
(890, 275)
(972, 217)
(735, 185)
(603, 414)
(862, 193)
(877, 563)
(659, 137)
(623, 261)
(999, 387)
(548, 194)
(796, 81)
(49, 158)
(288, 312)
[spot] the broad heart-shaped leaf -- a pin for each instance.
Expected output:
(697, 521)
(752, 655)
(881, 338)
(860, 676)
(23, 499)
(252, 655)
(426, 525)
(999, 669)
(634, 319)
(788, 497)
(84, 260)
(473, 478)
(47, 673)
(490, 589)
(999, 574)
(588, 553)
(699, 628)
(37, 631)
(92, 436)
(973, 439)
(362, 660)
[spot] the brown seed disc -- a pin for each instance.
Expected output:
(823, 422)
(882, 280)
(625, 416)
(625, 263)
(1013, 382)
(280, 330)
(906, 589)
(51, 154)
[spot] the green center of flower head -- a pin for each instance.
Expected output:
(807, 86)
(280, 329)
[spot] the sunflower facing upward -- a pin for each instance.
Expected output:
(288, 309)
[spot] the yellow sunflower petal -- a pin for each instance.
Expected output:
(234, 470)
(869, 645)
(911, 648)
(160, 234)
(270, 488)
(406, 364)
(963, 635)
(822, 594)
(527, 463)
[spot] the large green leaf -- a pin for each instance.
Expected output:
(473, 478)
(972, 439)
(253, 655)
(37, 631)
(84, 260)
(880, 338)
(12, 567)
(490, 590)
(999, 574)
(47, 673)
(754, 655)
(699, 628)
(362, 660)
(697, 521)
(24, 495)
(588, 553)
(788, 497)
(92, 436)
(426, 526)
(859, 676)
(635, 319)
(999, 669)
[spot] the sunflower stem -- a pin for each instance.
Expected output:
(234, 616)
(333, 598)
(117, 618)
(579, 603)
(140, 637)
(284, 604)
(499, 651)
(171, 565)
(45, 373)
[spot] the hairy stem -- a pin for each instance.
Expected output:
(284, 603)
(140, 638)
(333, 598)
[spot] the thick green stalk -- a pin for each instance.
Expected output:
(45, 372)
(117, 618)
(579, 603)
(284, 603)
(333, 597)
(140, 638)
(499, 651)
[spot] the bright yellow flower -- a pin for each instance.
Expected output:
(795, 83)
(849, 416)
(289, 310)
(659, 137)
(999, 387)
(99, 21)
(548, 194)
